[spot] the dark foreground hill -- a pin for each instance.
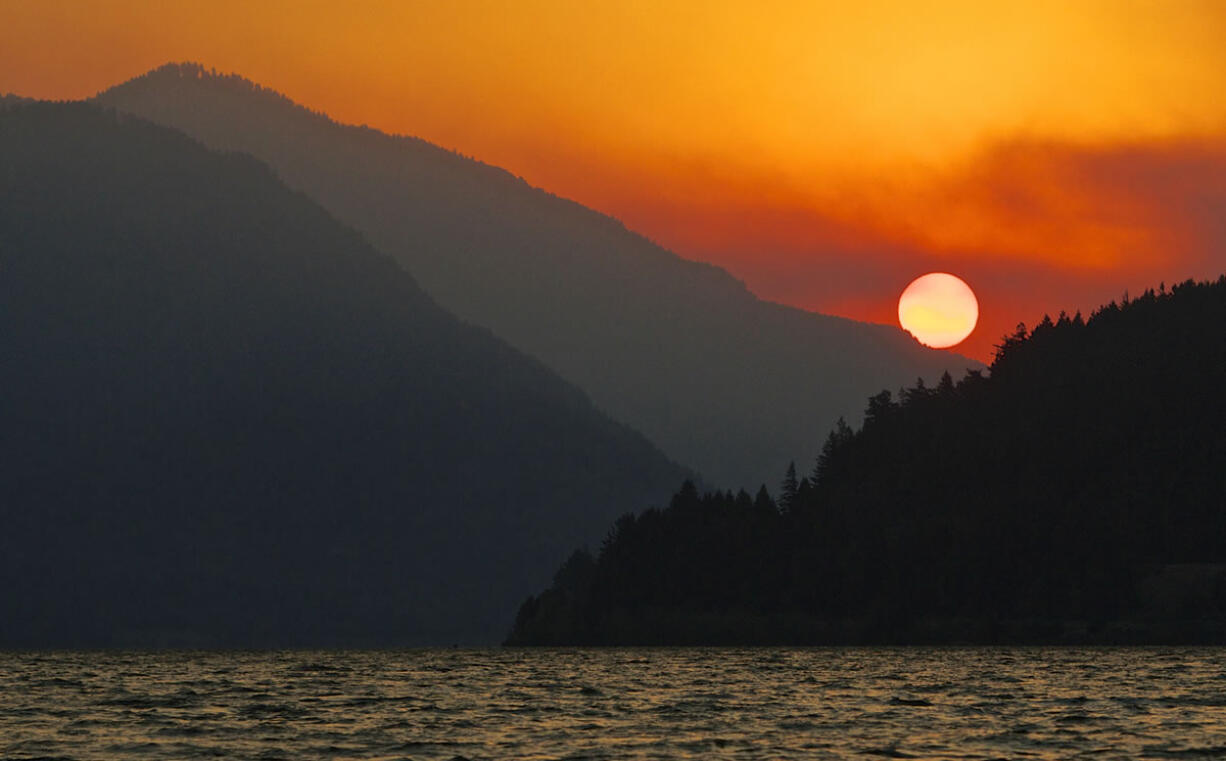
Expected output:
(226, 420)
(722, 381)
(1076, 494)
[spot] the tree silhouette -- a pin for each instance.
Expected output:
(790, 490)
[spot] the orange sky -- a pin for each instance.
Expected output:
(1053, 154)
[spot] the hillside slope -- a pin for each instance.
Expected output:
(227, 420)
(1078, 494)
(722, 381)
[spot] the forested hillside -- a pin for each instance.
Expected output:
(1075, 493)
(226, 420)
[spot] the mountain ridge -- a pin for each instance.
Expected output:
(678, 349)
(190, 71)
(228, 421)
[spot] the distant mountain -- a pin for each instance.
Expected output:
(226, 420)
(1078, 494)
(724, 382)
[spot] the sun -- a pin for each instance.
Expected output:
(939, 309)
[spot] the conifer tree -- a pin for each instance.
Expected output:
(790, 489)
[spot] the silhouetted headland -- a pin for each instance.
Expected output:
(1075, 494)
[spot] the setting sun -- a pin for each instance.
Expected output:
(939, 309)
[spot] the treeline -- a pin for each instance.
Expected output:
(1075, 493)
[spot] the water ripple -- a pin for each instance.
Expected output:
(854, 703)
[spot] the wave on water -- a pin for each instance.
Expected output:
(854, 703)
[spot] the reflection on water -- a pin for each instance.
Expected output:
(617, 704)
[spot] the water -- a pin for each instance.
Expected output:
(770, 703)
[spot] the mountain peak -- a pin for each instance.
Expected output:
(187, 74)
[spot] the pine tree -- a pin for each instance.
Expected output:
(838, 438)
(763, 501)
(946, 385)
(789, 490)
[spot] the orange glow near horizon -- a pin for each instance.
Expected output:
(1057, 153)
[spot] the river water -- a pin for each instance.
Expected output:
(768, 703)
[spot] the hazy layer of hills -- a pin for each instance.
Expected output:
(724, 382)
(1076, 494)
(225, 419)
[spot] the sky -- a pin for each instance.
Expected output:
(1052, 154)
